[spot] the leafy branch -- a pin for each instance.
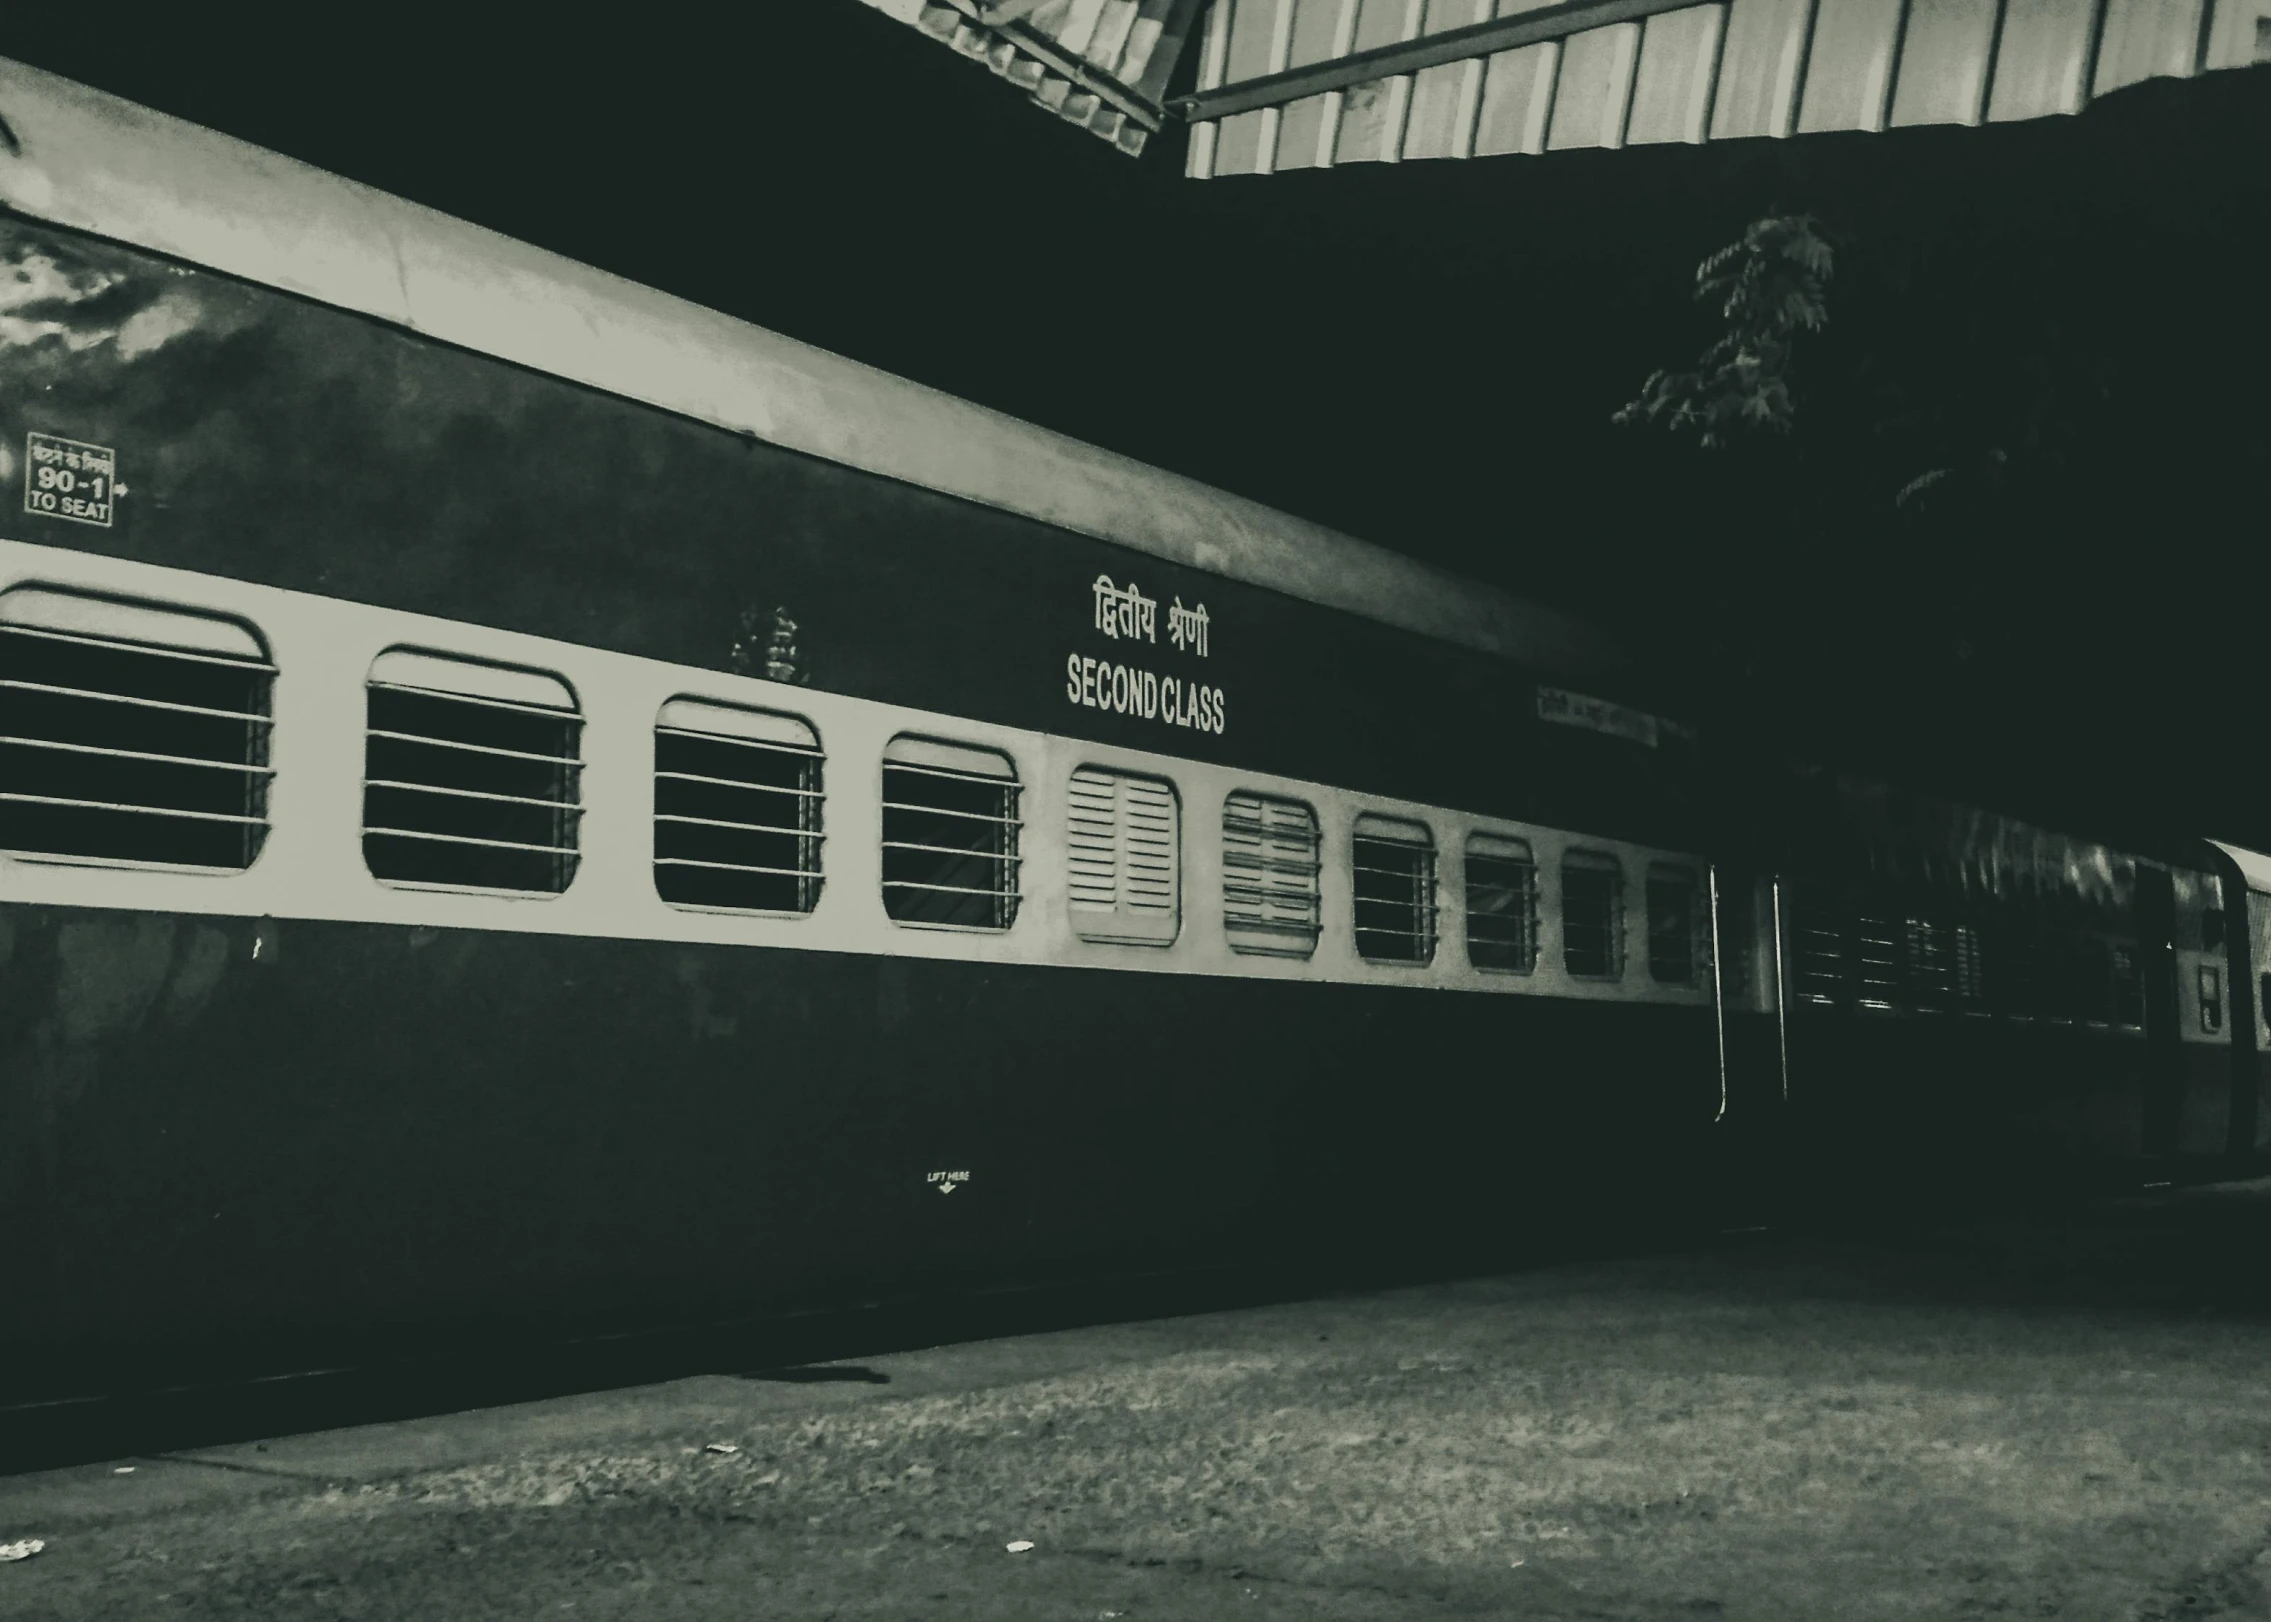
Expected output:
(1769, 287)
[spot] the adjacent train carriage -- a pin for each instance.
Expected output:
(1970, 1002)
(528, 802)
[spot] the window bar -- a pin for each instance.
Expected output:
(147, 650)
(568, 851)
(551, 712)
(138, 810)
(574, 762)
(243, 717)
(138, 754)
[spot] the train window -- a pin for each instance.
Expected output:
(2211, 986)
(1392, 882)
(2024, 986)
(2128, 989)
(2212, 930)
(2064, 994)
(1270, 903)
(471, 775)
(1672, 924)
(1876, 960)
(1125, 864)
(1592, 915)
(2094, 982)
(1502, 904)
(1818, 950)
(1970, 970)
(132, 734)
(1931, 965)
(950, 829)
(737, 800)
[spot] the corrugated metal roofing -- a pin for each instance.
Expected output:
(1101, 64)
(1299, 84)
(94, 163)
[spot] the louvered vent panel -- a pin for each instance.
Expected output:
(1122, 858)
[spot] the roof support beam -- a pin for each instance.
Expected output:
(1432, 51)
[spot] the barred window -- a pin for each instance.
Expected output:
(1125, 864)
(131, 734)
(1970, 969)
(1817, 933)
(2094, 981)
(737, 800)
(1876, 961)
(1393, 872)
(1270, 868)
(1931, 965)
(2128, 989)
(950, 833)
(2064, 986)
(1592, 915)
(1502, 904)
(471, 776)
(1673, 919)
(2018, 989)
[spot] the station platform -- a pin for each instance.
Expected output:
(2032, 1417)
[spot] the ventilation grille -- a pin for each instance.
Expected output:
(467, 789)
(737, 801)
(118, 750)
(1122, 856)
(1269, 876)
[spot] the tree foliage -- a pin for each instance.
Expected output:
(1768, 287)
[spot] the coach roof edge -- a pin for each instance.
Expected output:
(92, 162)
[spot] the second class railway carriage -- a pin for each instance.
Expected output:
(528, 802)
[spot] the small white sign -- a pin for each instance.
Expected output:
(65, 478)
(1599, 715)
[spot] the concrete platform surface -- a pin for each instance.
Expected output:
(2048, 1421)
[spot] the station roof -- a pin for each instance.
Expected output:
(1101, 64)
(1300, 84)
(91, 162)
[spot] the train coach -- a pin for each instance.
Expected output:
(1935, 999)
(529, 803)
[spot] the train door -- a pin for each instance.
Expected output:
(1747, 987)
(2247, 938)
(2164, 1042)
